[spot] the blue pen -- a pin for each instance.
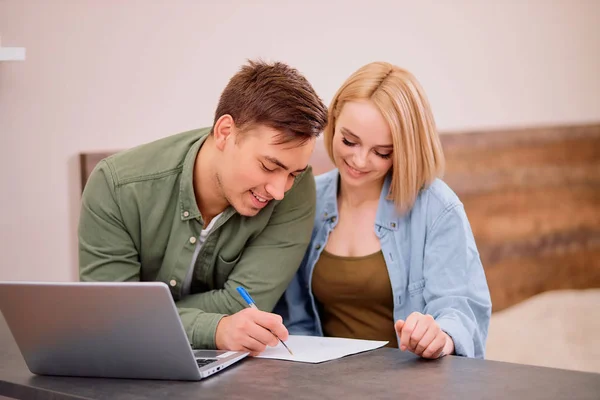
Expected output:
(251, 304)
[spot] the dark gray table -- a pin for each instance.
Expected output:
(383, 373)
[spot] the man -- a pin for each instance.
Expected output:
(204, 211)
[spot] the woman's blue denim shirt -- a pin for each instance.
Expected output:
(431, 257)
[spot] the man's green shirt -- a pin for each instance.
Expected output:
(140, 222)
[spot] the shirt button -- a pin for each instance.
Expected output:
(318, 247)
(173, 282)
(332, 219)
(393, 224)
(186, 214)
(325, 214)
(193, 240)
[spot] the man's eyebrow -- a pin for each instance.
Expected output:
(348, 132)
(282, 165)
(276, 162)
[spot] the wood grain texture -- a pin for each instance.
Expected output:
(533, 200)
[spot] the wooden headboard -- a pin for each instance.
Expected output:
(533, 200)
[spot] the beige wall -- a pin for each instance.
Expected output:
(111, 74)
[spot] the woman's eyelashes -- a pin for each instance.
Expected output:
(352, 144)
(348, 143)
(384, 156)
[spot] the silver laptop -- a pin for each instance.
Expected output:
(111, 330)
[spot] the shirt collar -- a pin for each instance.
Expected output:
(187, 198)
(387, 213)
(330, 208)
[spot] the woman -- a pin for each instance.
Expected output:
(392, 256)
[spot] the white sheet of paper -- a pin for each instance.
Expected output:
(315, 349)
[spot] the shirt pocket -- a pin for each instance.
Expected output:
(224, 267)
(416, 288)
(415, 296)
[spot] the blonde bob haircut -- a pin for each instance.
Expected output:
(417, 158)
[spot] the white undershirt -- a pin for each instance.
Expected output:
(187, 283)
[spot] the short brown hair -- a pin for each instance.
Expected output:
(275, 95)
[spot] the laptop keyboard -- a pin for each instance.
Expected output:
(203, 362)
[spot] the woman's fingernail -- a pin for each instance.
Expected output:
(403, 347)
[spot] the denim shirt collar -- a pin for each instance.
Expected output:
(330, 206)
(387, 213)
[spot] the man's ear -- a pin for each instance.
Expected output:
(223, 129)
